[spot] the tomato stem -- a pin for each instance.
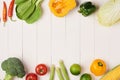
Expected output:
(100, 64)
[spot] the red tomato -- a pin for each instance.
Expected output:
(31, 76)
(41, 69)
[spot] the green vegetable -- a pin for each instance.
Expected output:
(59, 73)
(52, 72)
(19, 1)
(85, 76)
(63, 69)
(13, 67)
(35, 15)
(30, 11)
(87, 8)
(109, 13)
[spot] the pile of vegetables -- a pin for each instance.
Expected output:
(28, 10)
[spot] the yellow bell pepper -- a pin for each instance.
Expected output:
(61, 8)
(98, 67)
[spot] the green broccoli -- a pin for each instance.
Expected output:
(13, 67)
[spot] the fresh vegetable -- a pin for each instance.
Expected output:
(4, 14)
(41, 69)
(64, 70)
(13, 67)
(98, 67)
(61, 8)
(87, 8)
(19, 1)
(109, 13)
(30, 11)
(52, 72)
(35, 15)
(31, 76)
(59, 73)
(10, 10)
(112, 74)
(85, 76)
(75, 69)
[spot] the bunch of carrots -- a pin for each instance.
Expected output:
(8, 13)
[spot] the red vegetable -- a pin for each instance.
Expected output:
(10, 10)
(31, 76)
(4, 12)
(41, 69)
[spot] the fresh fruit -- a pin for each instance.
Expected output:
(85, 76)
(98, 67)
(41, 69)
(75, 69)
(31, 76)
(61, 8)
(113, 74)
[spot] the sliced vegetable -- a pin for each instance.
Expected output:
(109, 13)
(13, 67)
(31, 76)
(98, 67)
(61, 8)
(52, 72)
(64, 70)
(87, 8)
(59, 73)
(10, 10)
(41, 69)
(113, 74)
(4, 12)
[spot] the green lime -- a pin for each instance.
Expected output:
(86, 76)
(75, 69)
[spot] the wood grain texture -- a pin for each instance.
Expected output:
(73, 38)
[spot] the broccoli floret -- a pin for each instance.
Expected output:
(13, 67)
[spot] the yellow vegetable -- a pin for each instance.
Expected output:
(113, 74)
(61, 8)
(98, 67)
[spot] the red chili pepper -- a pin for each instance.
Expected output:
(4, 12)
(10, 10)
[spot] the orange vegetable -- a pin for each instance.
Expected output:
(4, 14)
(61, 8)
(98, 67)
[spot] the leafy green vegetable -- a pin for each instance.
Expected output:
(30, 11)
(13, 67)
(19, 1)
(87, 8)
(64, 70)
(109, 13)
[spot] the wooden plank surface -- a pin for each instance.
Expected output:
(73, 39)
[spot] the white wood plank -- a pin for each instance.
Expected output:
(73, 46)
(58, 41)
(43, 34)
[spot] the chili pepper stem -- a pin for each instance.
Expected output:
(12, 19)
(3, 24)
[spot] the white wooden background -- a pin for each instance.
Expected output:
(74, 39)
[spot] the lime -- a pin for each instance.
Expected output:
(75, 69)
(86, 76)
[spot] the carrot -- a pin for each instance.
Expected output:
(10, 10)
(4, 12)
